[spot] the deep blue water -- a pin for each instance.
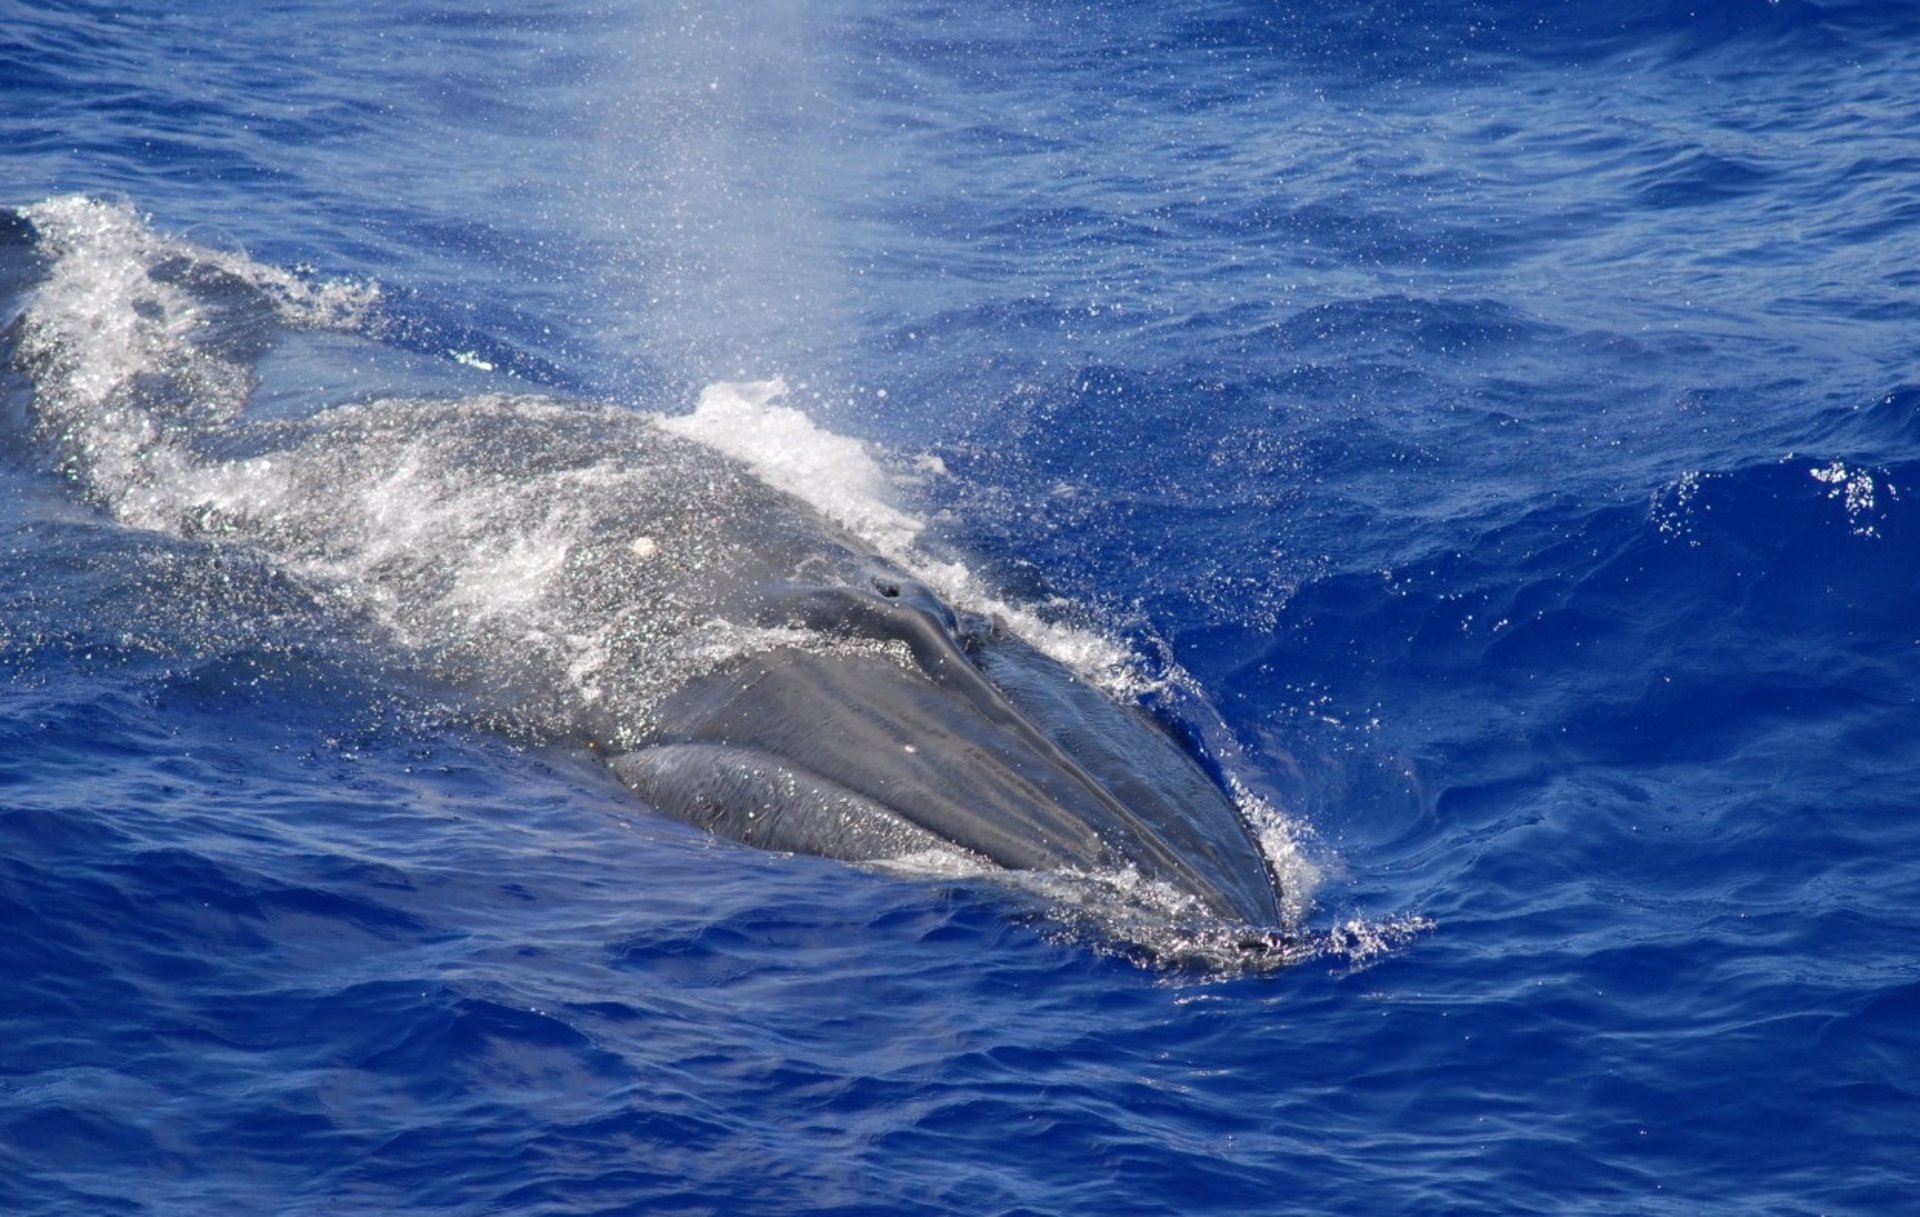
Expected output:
(1502, 420)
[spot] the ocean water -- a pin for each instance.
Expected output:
(1490, 431)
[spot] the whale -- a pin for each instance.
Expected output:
(586, 572)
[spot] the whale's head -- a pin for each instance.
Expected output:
(962, 737)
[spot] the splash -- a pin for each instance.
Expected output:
(123, 331)
(1858, 491)
(841, 478)
(835, 473)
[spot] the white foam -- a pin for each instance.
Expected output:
(842, 479)
(1279, 839)
(104, 322)
(104, 251)
(835, 473)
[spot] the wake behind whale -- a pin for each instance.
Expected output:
(591, 573)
